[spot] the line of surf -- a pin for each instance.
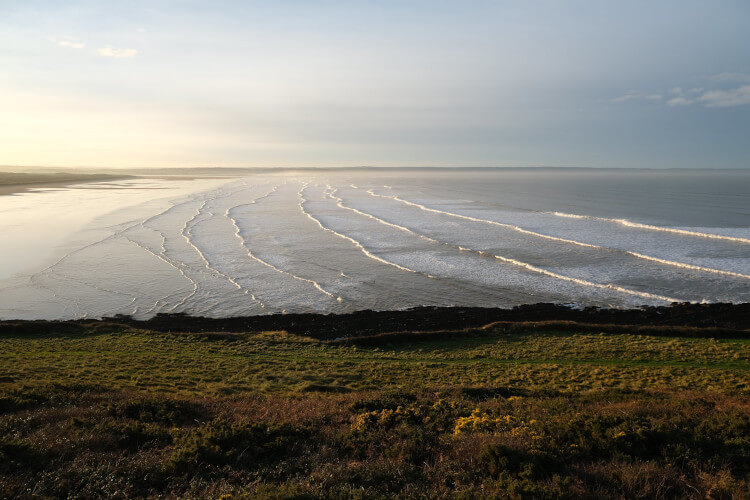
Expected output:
(238, 234)
(95, 287)
(516, 262)
(330, 190)
(118, 233)
(189, 237)
(34, 282)
(178, 266)
(638, 225)
(637, 255)
(356, 243)
(331, 193)
(371, 192)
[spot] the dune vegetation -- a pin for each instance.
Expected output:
(107, 409)
(23, 178)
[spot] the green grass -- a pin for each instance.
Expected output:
(190, 364)
(105, 411)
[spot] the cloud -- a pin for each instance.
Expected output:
(679, 96)
(731, 77)
(71, 44)
(626, 97)
(679, 101)
(726, 98)
(120, 53)
(636, 95)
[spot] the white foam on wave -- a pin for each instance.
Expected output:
(638, 225)
(331, 193)
(178, 266)
(515, 262)
(356, 243)
(122, 232)
(187, 234)
(684, 265)
(637, 255)
(476, 219)
(182, 265)
(238, 234)
(584, 282)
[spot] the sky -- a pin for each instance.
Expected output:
(596, 83)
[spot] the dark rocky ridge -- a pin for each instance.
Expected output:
(726, 317)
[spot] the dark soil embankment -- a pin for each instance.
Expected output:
(716, 319)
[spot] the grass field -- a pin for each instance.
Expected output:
(107, 410)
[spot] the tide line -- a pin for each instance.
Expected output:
(638, 225)
(188, 235)
(118, 233)
(476, 219)
(178, 268)
(352, 240)
(637, 255)
(518, 263)
(238, 234)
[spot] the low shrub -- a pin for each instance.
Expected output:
(409, 434)
(485, 393)
(387, 400)
(498, 458)
(16, 455)
(16, 401)
(719, 440)
(240, 445)
(523, 474)
(165, 411)
(23, 398)
(480, 421)
(125, 435)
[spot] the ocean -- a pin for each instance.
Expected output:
(341, 241)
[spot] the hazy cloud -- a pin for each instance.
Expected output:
(636, 95)
(731, 77)
(71, 44)
(679, 101)
(113, 52)
(626, 97)
(726, 98)
(719, 98)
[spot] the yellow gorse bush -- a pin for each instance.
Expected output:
(480, 421)
(386, 417)
(413, 414)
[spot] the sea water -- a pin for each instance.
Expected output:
(339, 241)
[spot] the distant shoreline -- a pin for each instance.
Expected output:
(240, 171)
(15, 182)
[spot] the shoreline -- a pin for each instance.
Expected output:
(721, 319)
(25, 187)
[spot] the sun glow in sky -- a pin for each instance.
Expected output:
(342, 83)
